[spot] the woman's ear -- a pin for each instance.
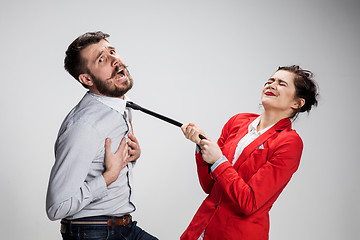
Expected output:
(299, 104)
(85, 78)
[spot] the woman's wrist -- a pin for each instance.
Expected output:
(218, 162)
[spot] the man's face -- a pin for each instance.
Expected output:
(106, 70)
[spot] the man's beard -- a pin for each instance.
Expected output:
(113, 91)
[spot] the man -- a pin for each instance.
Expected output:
(90, 186)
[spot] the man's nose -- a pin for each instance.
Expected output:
(115, 60)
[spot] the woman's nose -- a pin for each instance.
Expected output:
(272, 85)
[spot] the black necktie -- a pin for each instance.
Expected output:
(154, 114)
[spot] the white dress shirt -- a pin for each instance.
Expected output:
(76, 186)
(244, 142)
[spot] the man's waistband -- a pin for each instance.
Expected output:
(99, 220)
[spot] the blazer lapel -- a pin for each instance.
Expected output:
(239, 135)
(279, 126)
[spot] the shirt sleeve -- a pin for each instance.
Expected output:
(218, 162)
(69, 191)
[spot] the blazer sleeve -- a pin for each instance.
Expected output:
(268, 181)
(203, 171)
(203, 168)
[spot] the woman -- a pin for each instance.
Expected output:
(253, 160)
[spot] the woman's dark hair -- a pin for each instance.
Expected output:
(305, 86)
(73, 63)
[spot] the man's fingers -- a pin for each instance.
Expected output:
(107, 146)
(121, 146)
(132, 137)
(124, 150)
(131, 158)
(132, 144)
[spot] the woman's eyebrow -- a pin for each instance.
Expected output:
(282, 81)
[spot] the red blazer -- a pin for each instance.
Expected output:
(241, 196)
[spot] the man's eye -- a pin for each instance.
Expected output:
(101, 59)
(112, 51)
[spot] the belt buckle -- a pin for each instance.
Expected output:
(109, 222)
(122, 221)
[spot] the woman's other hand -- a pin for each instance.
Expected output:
(191, 132)
(210, 151)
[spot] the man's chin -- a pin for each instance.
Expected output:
(117, 92)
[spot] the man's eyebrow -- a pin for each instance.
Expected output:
(99, 55)
(102, 51)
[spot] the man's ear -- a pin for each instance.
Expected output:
(85, 78)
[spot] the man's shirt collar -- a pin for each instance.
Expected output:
(117, 104)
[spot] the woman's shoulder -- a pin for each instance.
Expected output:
(289, 137)
(244, 116)
(240, 120)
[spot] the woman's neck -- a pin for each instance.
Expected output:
(269, 118)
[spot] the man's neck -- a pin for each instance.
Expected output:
(98, 93)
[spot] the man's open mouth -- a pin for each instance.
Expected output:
(121, 73)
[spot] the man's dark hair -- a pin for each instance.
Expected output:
(73, 62)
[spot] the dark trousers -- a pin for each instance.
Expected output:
(71, 231)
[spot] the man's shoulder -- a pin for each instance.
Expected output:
(88, 108)
(92, 113)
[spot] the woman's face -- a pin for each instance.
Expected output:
(279, 93)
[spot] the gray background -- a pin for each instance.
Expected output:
(195, 61)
